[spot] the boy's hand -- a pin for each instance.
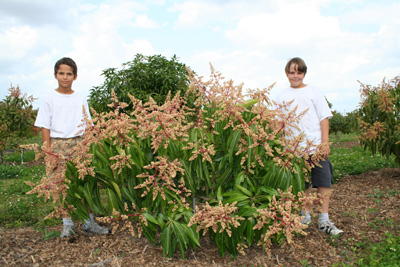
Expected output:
(325, 149)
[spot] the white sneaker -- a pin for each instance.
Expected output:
(94, 228)
(306, 221)
(68, 230)
(329, 228)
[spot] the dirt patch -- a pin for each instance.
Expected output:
(364, 206)
(346, 144)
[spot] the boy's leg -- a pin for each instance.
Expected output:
(325, 193)
(322, 178)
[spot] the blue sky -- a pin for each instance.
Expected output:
(342, 41)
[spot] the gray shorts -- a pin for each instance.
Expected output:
(321, 176)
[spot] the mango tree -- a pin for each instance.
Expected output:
(220, 165)
(379, 118)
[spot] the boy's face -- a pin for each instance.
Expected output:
(295, 77)
(65, 77)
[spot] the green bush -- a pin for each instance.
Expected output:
(143, 77)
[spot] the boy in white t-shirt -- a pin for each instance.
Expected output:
(60, 118)
(315, 125)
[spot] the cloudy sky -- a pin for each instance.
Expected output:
(342, 41)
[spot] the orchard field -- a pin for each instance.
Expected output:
(205, 177)
(365, 204)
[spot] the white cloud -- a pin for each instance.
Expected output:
(142, 21)
(342, 41)
(284, 27)
(15, 42)
(36, 12)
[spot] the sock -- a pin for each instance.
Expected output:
(323, 217)
(68, 221)
(306, 214)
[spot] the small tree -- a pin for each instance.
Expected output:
(379, 117)
(143, 77)
(342, 124)
(17, 117)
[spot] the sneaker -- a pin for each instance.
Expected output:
(94, 228)
(306, 221)
(67, 231)
(329, 228)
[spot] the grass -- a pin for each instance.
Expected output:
(385, 253)
(19, 209)
(356, 160)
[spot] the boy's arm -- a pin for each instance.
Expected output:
(46, 137)
(325, 136)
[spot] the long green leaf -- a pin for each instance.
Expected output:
(166, 240)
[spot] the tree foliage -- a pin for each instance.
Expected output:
(143, 77)
(17, 117)
(379, 117)
(343, 124)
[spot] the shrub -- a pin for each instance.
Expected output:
(143, 77)
(17, 117)
(227, 156)
(379, 118)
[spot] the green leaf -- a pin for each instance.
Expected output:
(166, 240)
(219, 193)
(244, 190)
(112, 199)
(247, 211)
(116, 188)
(235, 196)
(269, 190)
(151, 218)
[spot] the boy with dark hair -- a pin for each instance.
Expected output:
(60, 118)
(315, 125)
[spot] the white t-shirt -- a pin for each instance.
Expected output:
(308, 97)
(62, 114)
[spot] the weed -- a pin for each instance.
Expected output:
(50, 234)
(305, 263)
(385, 253)
(372, 210)
(350, 214)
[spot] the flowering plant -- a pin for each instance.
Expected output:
(378, 117)
(150, 168)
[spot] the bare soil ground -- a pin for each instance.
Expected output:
(364, 206)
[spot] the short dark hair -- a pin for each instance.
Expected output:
(301, 65)
(66, 61)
